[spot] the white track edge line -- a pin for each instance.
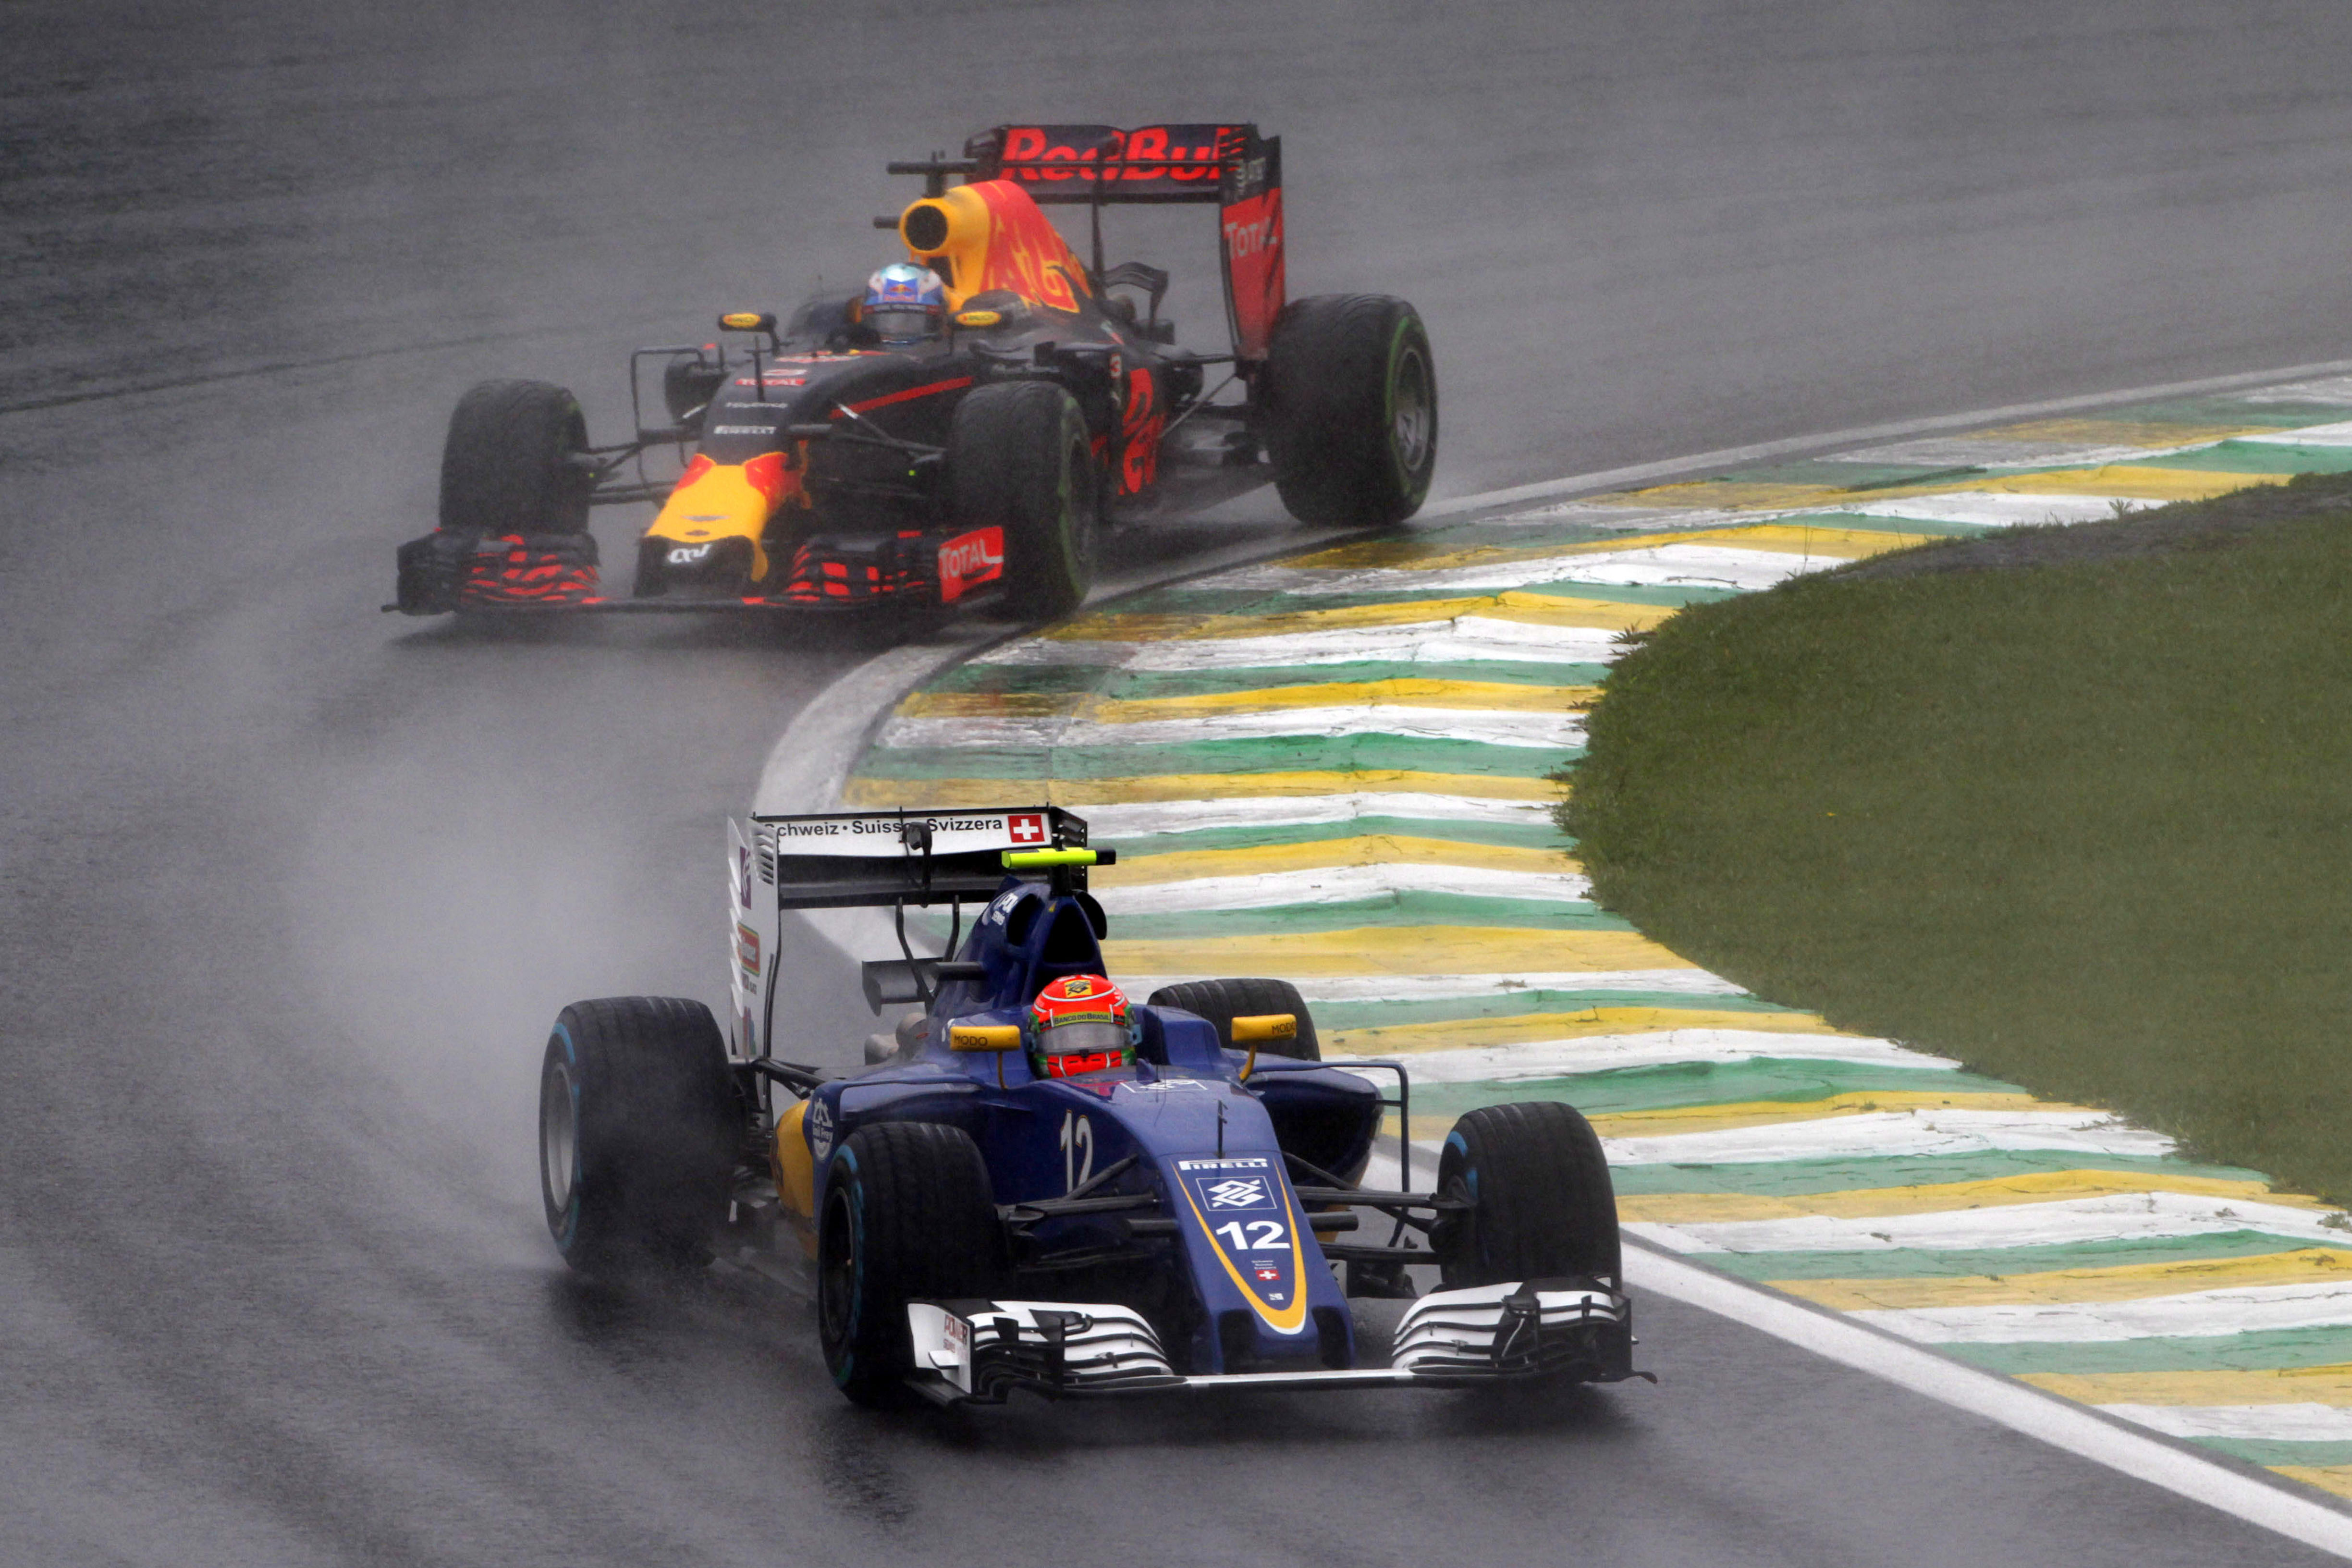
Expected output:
(2018, 1406)
(1611, 478)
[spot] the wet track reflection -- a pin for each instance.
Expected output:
(290, 891)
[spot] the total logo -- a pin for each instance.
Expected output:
(819, 1123)
(1243, 239)
(972, 553)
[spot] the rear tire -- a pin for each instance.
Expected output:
(639, 1132)
(907, 1216)
(1543, 1203)
(1020, 457)
(1350, 394)
(1223, 1001)
(505, 465)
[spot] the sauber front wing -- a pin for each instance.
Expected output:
(979, 1352)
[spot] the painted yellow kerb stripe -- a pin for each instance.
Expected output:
(2120, 479)
(1530, 1028)
(1486, 697)
(877, 793)
(2131, 1282)
(2150, 433)
(2266, 1385)
(1732, 495)
(1795, 538)
(1482, 696)
(1372, 849)
(1416, 950)
(2124, 479)
(2336, 1479)
(1531, 609)
(1772, 1112)
(1941, 1197)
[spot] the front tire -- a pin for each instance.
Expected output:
(1350, 395)
(1542, 1204)
(639, 1132)
(1223, 1001)
(908, 1214)
(1020, 457)
(507, 465)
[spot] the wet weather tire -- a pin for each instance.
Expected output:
(908, 1214)
(639, 1131)
(507, 465)
(1543, 1205)
(1020, 459)
(1350, 394)
(1223, 1001)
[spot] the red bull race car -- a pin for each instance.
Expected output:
(964, 427)
(1037, 1184)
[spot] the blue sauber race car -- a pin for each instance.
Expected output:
(1034, 1183)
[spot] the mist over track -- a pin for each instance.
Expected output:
(290, 891)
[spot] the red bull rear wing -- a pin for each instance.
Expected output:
(1099, 165)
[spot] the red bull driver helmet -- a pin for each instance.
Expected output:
(904, 304)
(1080, 1024)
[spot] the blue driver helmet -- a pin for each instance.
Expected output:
(904, 304)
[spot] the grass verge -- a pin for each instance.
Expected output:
(2073, 806)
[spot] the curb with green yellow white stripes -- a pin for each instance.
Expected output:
(1334, 768)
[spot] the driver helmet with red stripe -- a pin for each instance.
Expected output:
(1081, 1024)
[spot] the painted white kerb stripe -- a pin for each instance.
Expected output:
(1885, 1134)
(1703, 565)
(1660, 1048)
(2195, 1315)
(2303, 1423)
(1141, 819)
(1339, 885)
(1549, 731)
(1464, 640)
(2067, 1222)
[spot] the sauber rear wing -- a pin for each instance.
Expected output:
(867, 859)
(874, 859)
(1099, 165)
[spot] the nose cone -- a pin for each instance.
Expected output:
(716, 502)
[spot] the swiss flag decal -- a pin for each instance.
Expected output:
(1028, 826)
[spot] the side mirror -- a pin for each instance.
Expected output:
(749, 321)
(1254, 1029)
(995, 1039)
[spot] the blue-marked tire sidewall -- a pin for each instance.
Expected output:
(1454, 1169)
(560, 1143)
(841, 1181)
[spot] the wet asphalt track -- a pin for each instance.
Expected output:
(290, 890)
